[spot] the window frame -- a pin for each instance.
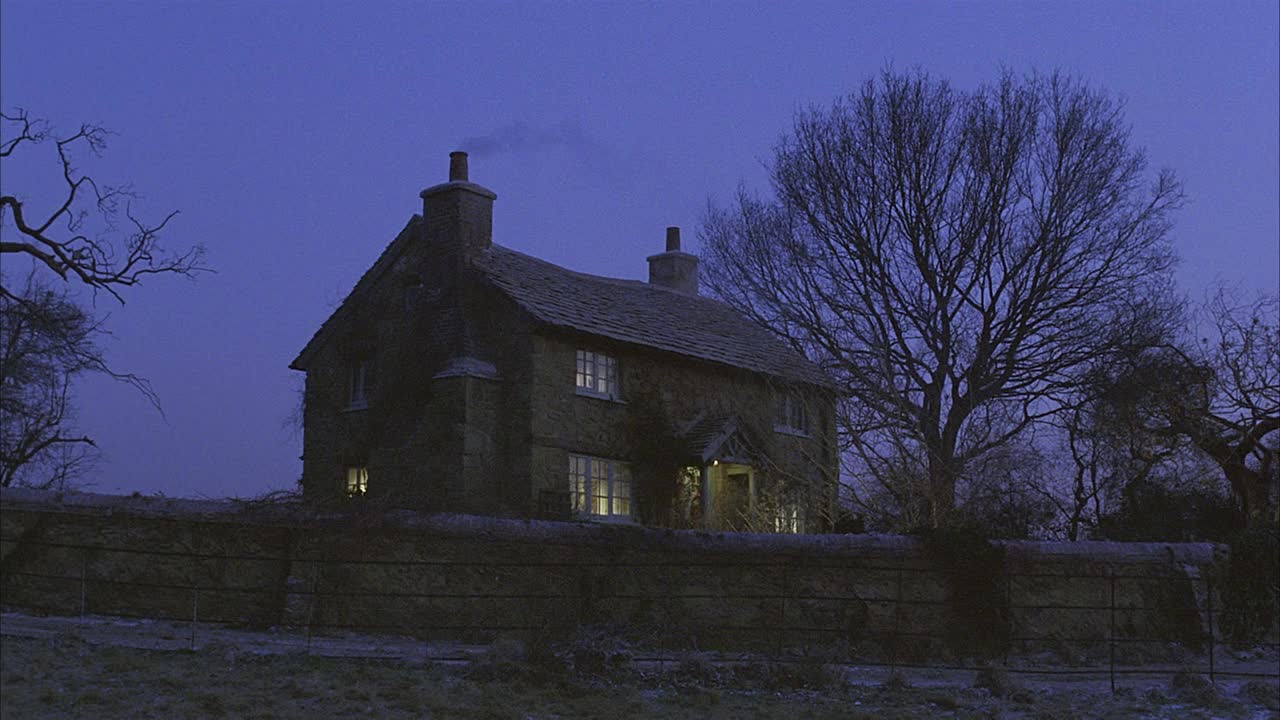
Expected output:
(360, 486)
(791, 510)
(788, 519)
(359, 376)
(587, 365)
(789, 408)
(412, 290)
(584, 495)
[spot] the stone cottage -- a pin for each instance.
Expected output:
(464, 376)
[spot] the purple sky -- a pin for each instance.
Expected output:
(294, 139)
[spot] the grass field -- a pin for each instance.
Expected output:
(68, 678)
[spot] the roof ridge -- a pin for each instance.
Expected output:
(605, 278)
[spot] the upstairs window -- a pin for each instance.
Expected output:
(360, 379)
(600, 487)
(413, 290)
(356, 480)
(597, 375)
(792, 415)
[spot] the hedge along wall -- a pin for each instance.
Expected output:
(475, 579)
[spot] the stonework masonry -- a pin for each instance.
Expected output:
(442, 576)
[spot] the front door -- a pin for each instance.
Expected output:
(736, 501)
(731, 496)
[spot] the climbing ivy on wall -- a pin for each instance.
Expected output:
(973, 571)
(657, 458)
(1250, 587)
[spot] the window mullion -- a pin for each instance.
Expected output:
(610, 498)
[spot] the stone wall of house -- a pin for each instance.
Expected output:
(501, 413)
(398, 326)
(676, 388)
(458, 443)
(476, 579)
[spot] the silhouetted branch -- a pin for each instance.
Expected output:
(58, 241)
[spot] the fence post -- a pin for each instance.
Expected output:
(1111, 576)
(1209, 605)
(84, 594)
(1008, 612)
(782, 612)
(315, 598)
(195, 613)
(897, 625)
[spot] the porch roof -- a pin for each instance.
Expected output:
(715, 436)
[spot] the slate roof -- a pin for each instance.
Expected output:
(629, 311)
(636, 312)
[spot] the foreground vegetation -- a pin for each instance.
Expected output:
(68, 678)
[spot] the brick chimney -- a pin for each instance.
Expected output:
(458, 212)
(673, 268)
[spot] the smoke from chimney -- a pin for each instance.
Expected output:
(520, 136)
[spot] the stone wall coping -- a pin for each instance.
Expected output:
(869, 546)
(230, 510)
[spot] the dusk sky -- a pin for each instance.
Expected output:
(294, 138)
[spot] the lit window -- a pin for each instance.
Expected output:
(357, 480)
(360, 377)
(792, 415)
(597, 374)
(787, 518)
(600, 487)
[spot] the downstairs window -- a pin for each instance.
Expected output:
(356, 480)
(600, 487)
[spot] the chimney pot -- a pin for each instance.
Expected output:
(457, 166)
(674, 268)
(458, 213)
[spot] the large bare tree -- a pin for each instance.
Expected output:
(87, 237)
(953, 258)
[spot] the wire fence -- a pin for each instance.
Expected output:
(876, 615)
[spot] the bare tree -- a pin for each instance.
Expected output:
(1093, 462)
(1222, 395)
(48, 338)
(953, 259)
(64, 241)
(46, 341)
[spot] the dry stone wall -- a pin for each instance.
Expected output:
(477, 579)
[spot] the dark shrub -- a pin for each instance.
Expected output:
(1152, 512)
(974, 572)
(1195, 689)
(1250, 588)
(996, 682)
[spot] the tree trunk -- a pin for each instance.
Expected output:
(942, 492)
